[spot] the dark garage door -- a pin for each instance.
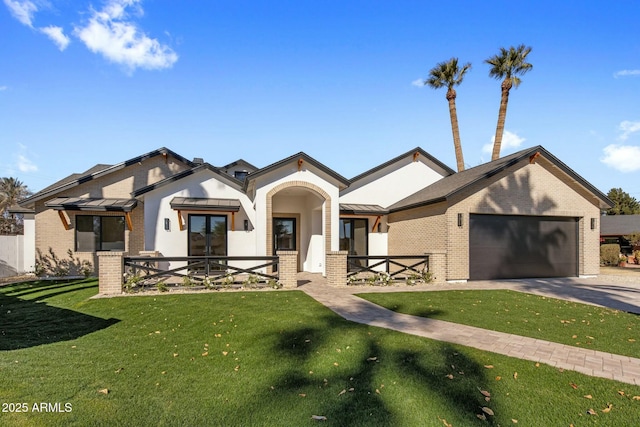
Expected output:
(515, 246)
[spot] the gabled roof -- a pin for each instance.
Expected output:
(435, 163)
(619, 225)
(180, 175)
(240, 162)
(451, 185)
(97, 172)
(296, 157)
(205, 204)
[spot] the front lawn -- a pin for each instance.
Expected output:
(263, 358)
(550, 319)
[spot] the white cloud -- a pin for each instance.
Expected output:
(418, 82)
(510, 140)
(22, 10)
(623, 73)
(628, 127)
(3, 88)
(112, 35)
(625, 158)
(56, 34)
(26, 165)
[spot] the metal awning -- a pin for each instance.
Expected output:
(91, 204)
(362, 209)
(205, 204)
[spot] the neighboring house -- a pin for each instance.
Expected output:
(615, 228)
(525, 215)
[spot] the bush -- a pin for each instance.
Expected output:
(610, 254)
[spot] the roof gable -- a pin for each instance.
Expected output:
(237, 184)
(481, 175)
(99, 171)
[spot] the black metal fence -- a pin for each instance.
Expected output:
(397, 267)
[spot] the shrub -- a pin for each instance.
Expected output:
(610, 254)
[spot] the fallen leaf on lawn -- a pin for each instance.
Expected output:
(484, 392)
(157, 332)
(636, 397)
(632, 340)
(351, 389)
(573, 385)
(103, 391)
(377, 391)
(488, 366)
(537, 365)
(487, 410)
(342, 392)
(336, 364)
(445, 422)
(608, 408)
(621, 393)
(498, 378)
(119, 370)
(588, 396)
(175, 354)
(237, 368)
(450, 376)
(206, 353)
(372, 359)
(513, 420)
(319, 417)
(515, 375)
(224, 353)
(164, 372)
(574, 336)
(483, 417)
(592, 412)
(302, 395)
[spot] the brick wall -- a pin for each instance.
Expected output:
(111, 277)
(337, 268)
(288, 268)
(50, 232)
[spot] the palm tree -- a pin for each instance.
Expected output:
(448, 74)
(12, 191)
(507, 65)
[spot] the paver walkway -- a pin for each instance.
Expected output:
(596, 363)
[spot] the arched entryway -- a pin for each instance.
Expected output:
(299, 216)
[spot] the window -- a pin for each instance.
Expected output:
(241, 175)
(99, 233)
(353, 236)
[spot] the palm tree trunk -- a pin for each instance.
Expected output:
(502, 116)
(457, 146)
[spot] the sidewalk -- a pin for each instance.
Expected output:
(595, 363)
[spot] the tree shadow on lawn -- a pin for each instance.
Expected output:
(577, 290)
(354, 396)
(28, 323)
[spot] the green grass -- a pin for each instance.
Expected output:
(550, 319)
(263, 358)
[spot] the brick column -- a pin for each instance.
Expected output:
(438, 266)
(336, 267)
(288, 268)
(111, 271)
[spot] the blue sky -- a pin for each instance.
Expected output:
(83, 83)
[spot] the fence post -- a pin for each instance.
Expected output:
(438, 265)
(288, 268)
(110, 272)
(337, 268)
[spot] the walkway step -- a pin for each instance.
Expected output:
(590, 362)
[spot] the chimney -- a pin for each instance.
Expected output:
(198, 160)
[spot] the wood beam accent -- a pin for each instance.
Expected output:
(415, 156)
(63, 218)
(532, 158)
(233, 221)
(127, 216)
(300, 163)
(166, 158)
(180, 223)
(375, 224)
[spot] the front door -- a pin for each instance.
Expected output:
(284, 234)
(207, 235)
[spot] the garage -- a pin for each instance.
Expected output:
(521, 246)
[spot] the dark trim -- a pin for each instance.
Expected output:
(89, 177)
(209, 204)
(438, 163)
(91, 204)
(301, 155)
(173, 178)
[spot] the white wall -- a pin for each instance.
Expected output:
(11, 255)
(391, 184)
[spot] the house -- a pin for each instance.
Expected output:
(616, 229)
(524, 215)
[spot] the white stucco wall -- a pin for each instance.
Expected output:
(391, 184)
(174, 242)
